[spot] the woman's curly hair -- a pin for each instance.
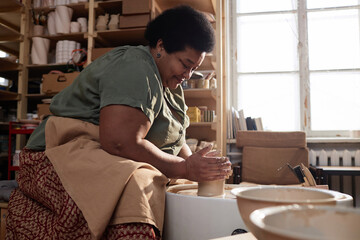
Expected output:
(181, 27)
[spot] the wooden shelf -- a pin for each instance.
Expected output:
(203, 93)
(78, 37)
(10, 16)
(9, 34)
(8, 96)
(203, 5)
(10, 6)
(9, 69)
(208, 64)
(79, 9)
(211, 125)
(111, 7)
(10, 21)
(36, 71)
(114, 38)
(6, 65)
(10, 47)
(39, 95)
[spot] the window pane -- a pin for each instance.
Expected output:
(334, 39)
(2, 54)
(273, 97)
(335, 101)
(267, 43)
(332, 3)
(246, 6)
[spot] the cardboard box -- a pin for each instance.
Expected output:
(43, 110)
(135, 6)
(55, 82)
(98, 52)
(138, 20)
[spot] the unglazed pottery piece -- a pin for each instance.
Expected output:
(211, 188)
(253, 198)
(295, 222)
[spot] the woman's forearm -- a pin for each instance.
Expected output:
(185, 151)
(128, 140)
(144, 151)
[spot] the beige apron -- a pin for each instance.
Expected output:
(108, 189)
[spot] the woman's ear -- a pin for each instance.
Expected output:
(159, 45)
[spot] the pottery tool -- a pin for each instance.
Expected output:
(299, 174)
(308, 175)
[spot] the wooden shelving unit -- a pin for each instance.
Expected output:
(10, 23)
(80, 9)
(113, 38)
(8, 96)
(7, 66)
(200, 93)
(11, 40)
(17, 40)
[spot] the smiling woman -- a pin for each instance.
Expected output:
(116, 136)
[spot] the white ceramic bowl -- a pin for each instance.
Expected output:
(306, 222)
(252, 198)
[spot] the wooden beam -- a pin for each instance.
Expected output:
(10, 9)
(9, 26)
(8, 50)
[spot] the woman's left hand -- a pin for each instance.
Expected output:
(206, 165)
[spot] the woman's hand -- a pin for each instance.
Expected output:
(205, 165)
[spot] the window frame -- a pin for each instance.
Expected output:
(303, 58)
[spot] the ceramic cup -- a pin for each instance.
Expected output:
(36, 3)
(38, 30)
(74, 27)
(83, 24)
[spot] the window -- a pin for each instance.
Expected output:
(3, 81)
(296, 64)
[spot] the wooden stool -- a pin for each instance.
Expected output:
(3, 212)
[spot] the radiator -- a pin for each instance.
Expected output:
(346, 157)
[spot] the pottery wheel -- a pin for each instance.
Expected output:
(191, 190)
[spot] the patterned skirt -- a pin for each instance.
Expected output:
(41, 208)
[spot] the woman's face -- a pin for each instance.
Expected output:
(175, 67)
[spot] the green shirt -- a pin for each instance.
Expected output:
(126, 75)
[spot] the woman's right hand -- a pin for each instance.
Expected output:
(207, 166)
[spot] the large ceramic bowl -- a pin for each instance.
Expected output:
(253, 198)
(295, 222)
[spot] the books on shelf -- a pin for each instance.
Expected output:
(258, 124)
(250, 123)
(236, 121)
(242, 120)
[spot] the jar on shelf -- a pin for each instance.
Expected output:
(192, 83)
(15, 160)
(203, 83)
(212, 83)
